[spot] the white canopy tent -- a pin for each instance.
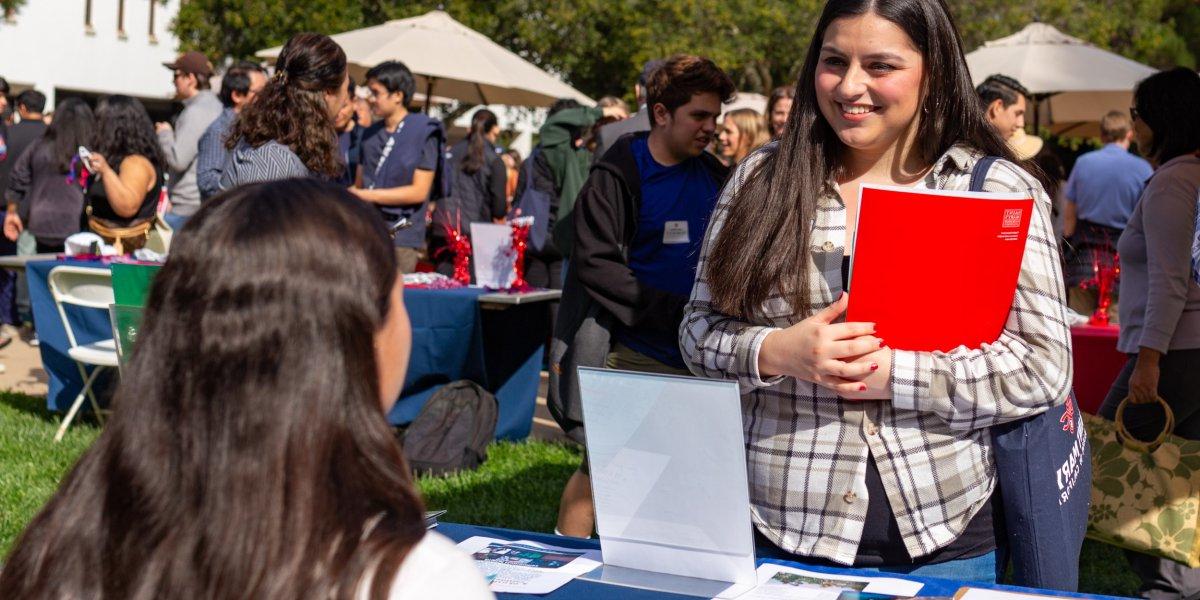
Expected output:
(450, 60)
(1073, 82)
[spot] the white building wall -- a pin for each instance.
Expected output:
(46, 46)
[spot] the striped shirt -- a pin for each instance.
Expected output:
(271, 161)
(807, 450)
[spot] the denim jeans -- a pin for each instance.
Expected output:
(175, 221)
(981, 569)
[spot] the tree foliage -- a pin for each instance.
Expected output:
(599, 45)
(13, 5)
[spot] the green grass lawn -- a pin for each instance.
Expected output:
(517, 488)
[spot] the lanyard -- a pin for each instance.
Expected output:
(387, 151)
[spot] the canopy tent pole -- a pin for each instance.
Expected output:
(429, 93)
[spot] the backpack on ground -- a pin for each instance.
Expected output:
(453, 429)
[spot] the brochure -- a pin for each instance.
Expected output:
(527, 567)
(787, 583)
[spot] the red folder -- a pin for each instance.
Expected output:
(936, 269)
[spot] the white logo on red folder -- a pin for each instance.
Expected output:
(1012, 218)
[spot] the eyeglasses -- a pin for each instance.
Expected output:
(1133, 113)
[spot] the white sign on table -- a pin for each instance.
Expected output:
(492, 255)
(668, 471)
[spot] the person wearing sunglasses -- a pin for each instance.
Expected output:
(1160, 301)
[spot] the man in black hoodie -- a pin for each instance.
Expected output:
(639, 222)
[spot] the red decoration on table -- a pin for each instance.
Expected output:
(459, 245)
(1103, 279)
(520, 243)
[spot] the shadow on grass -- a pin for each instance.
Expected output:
(35, 406)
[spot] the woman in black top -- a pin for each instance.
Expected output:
(123, 195)
(44, 190)
(477, 187)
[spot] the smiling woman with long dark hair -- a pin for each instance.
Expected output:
(859, 454)
(248, 455)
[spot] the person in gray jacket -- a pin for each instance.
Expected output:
(640, 121)
(181, 143)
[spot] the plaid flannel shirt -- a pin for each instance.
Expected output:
(807, 449)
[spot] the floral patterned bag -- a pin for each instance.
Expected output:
(1145, 495)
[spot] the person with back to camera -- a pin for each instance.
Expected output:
(129, 166)
(248, 455)
(860, 454)
(1160, 301)
(477, 188)
(45, 191)
(288, 130)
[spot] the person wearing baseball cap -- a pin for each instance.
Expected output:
(181, 143)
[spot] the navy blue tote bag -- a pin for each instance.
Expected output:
(1044, 470)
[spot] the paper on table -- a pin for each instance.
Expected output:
(978, 594)
(527, 567)
(492, 255)
(785, 583)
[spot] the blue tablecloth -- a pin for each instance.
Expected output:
(586, 590)
(452, 339)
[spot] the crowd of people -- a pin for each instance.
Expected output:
(249, 456)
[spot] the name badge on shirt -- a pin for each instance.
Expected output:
(676, 232)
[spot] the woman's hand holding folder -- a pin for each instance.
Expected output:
(844, 357)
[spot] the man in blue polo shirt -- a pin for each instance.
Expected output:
(1101, 193)
(401, 159)
(639, 222)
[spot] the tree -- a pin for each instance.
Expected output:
(7, 6)
(1143, 31)
(239, 28)
(599, 46)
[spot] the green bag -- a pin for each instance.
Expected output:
(1145, 495)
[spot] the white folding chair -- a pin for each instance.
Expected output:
(91, 288)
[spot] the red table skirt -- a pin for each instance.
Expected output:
(1097, 364)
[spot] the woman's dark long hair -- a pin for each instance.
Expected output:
(291, 108)
(1167, 102)
(74, 125)
(248, 455)
(482, 122)
(763, 246)
(125, 129)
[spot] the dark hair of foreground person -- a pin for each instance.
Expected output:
(247, 455)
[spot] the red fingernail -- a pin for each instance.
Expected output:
(862, 388)
(874, 367)
(880, 342)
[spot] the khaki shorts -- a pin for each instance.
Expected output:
(406, 259)
(627, 359)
